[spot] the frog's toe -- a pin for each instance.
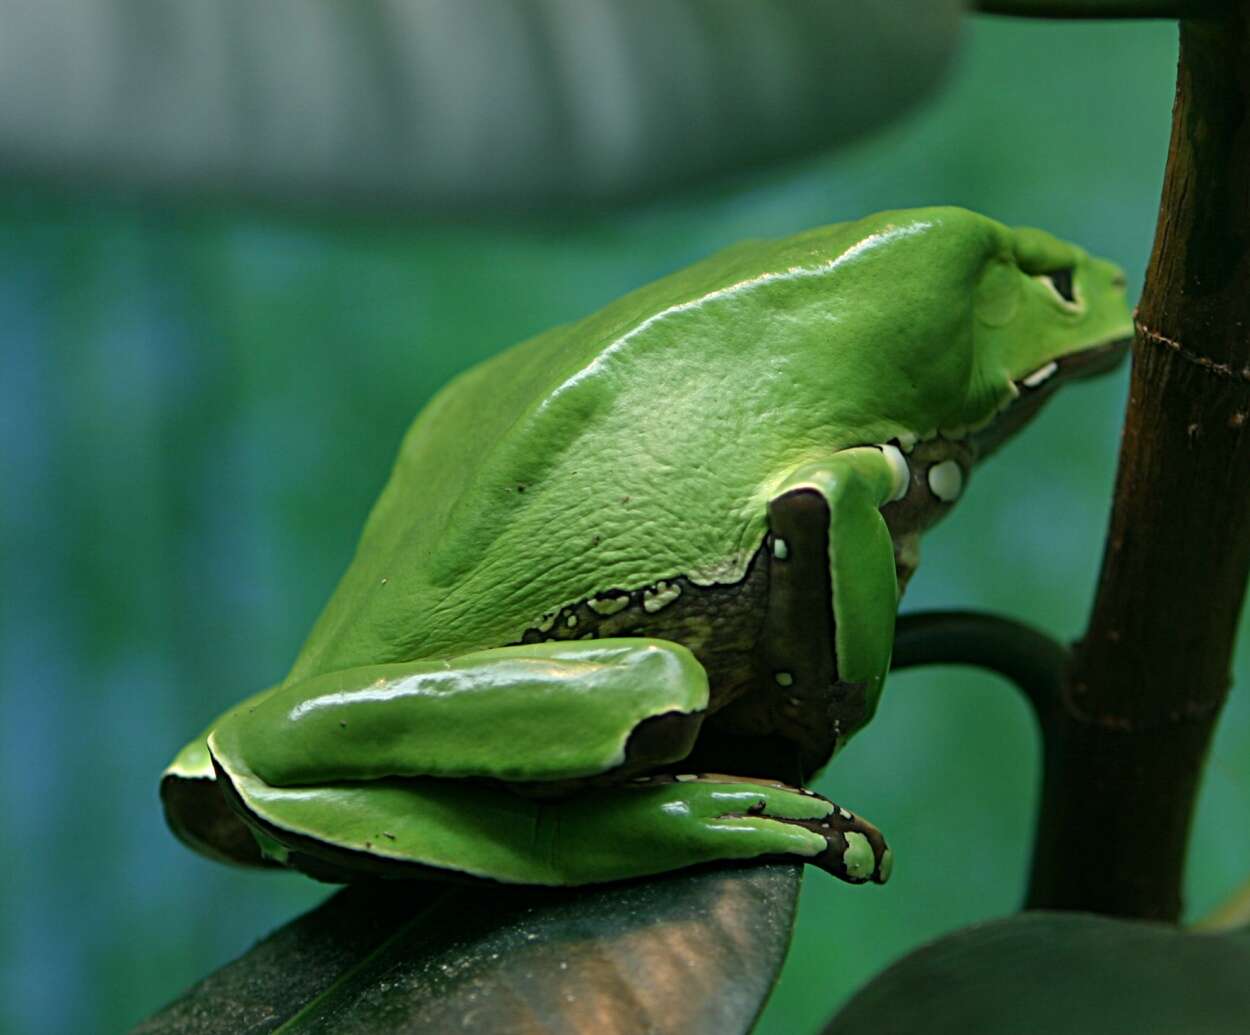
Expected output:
(856, 852)
(853, 849)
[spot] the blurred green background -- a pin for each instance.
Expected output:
(198, 405)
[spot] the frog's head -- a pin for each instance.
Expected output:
(1044, 312)
(960, 325)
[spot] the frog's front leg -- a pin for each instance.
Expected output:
(844, 570)
(364, 772)
(857, 483)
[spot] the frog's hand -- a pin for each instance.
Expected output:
(196, 811)
(533, 713)
(425, 828)
(854, 484)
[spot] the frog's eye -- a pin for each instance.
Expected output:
(1061, 282)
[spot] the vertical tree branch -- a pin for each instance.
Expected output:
(1125, 745)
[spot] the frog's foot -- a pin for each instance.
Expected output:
(421, 828)
(773, 813)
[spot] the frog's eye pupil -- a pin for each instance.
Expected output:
(1061, 280)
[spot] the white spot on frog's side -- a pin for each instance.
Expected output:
(1040, 374)
(906, 441)
(685, 777)
(725, 572)
(784, 678)
(571, 621)
(946, 481)
(608, 605)
(900, 470)
(781, 549)
(661, 596)
(547, 621)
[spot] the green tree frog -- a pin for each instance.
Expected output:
(634, 580)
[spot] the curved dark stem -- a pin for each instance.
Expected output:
(1035, 662)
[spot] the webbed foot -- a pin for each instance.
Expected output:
(771, 815)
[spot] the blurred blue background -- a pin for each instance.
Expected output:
(199, 403)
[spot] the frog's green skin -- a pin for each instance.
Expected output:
(697, 504)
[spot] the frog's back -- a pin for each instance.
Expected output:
(637, 444)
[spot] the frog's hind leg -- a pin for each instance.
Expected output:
(449, 828)
(537, 713)
(545, 717)
(401, 770)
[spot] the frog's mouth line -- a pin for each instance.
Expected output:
(1030, 392)
(1097, 359)
(1035, 388)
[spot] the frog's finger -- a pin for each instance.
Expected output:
(537, 712)
(421, 828)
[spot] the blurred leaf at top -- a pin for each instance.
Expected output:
(1061, 973)
(445, 105)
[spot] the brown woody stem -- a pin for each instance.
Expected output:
(1125, 745)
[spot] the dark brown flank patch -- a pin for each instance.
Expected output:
(777, 619)
(720, 624)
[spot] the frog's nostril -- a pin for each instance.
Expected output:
(1119, 281)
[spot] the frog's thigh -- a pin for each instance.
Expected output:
(416, 828)
(537, 712)
(855, 484)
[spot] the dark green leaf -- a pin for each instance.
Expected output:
(1061, 973)
(688, 953)
(454, 103)
(1107, 8)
